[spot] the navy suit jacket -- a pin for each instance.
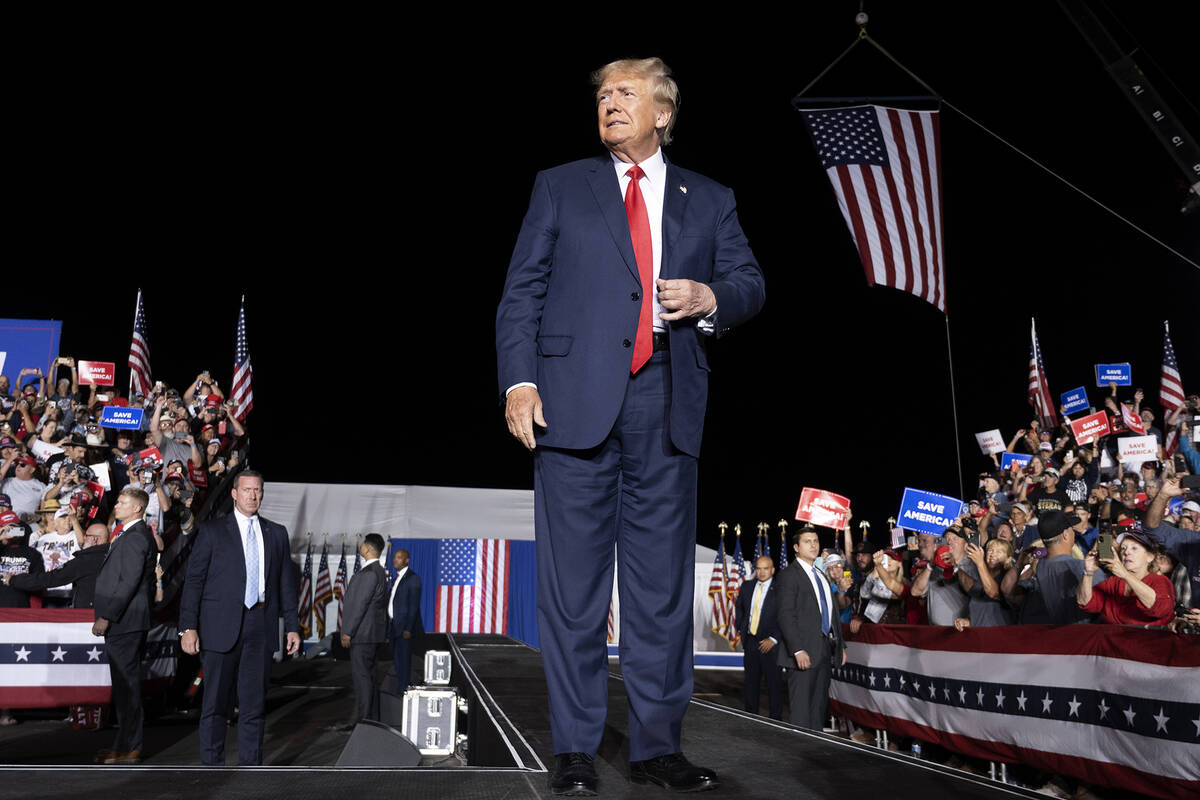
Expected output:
(571, 300)
(406, 607)
(768, 613)
(215, 588)
(125, 585)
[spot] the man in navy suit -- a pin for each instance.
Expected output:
(624, 267)
(239, 583)
(758, 624)
(123, 600)
(812, 634)
(404, 617)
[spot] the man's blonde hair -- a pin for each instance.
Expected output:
(662, 86)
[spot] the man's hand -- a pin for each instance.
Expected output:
(99, 626)
(802, 660)
(766, 645)
(961, 624)
(522, 409)
(345, 640)
(190, 642)
(293, 643)
(855, 624)
(1171, 488)
(406, 635)
(843, 656)
(6, 578)
(684, 298)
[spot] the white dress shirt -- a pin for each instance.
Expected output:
(819, 586)
(258, 542)
(395, 586)
(764, 587)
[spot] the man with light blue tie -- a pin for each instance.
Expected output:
(240, 581)
(812, 636)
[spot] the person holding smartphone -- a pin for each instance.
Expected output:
(1132, 595)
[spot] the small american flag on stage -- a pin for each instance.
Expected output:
(472, 586)
(885, 167)
(304, 609)
(1170, 388)
(139, 353)
(1039, 391)
(339, 586)
(716, 590)
(324, 592)
(243, 373)
(736, 578)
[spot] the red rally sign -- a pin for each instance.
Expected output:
(823, 508)
(101, 373)
(1090, 428)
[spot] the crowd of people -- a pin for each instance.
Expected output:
(62, 472)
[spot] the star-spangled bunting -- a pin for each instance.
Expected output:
(885, 168)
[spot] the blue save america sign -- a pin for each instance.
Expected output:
(121, 417)
(926, 512)
(1008, 459)
(1120, 374)
(1074, 400)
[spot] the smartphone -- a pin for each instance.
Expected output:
(886, 561)
(1104, 545)
(912, 542)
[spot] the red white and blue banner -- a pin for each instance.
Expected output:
(1108, 704)
(49, 658)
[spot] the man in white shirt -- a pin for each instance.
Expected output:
(812, 635)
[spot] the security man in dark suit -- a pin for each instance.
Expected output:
(812, 635)
(124, 598)
(364, 624)
(81, 571)
(758, 624)
(404, 617)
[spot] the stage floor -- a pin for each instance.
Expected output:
(310, 701)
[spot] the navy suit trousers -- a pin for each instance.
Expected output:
(246, 668)
(638, 492)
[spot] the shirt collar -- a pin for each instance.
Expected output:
(655, 167)
(242, 519)
(369, 562)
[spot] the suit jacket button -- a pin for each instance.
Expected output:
(635, 296)
(627, 343)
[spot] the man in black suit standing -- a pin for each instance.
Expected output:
(812, 635)
(364, 624)
(758, 624)
(124, 597)
(239, 583)
(404, 617)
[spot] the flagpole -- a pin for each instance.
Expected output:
(954, 406)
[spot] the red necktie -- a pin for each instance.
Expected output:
(643, 251)
(120, 526)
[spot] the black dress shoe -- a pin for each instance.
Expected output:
(574, 775)
(673, 772)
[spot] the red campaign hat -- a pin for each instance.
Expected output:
(941, 558)
(1128, 522)
(212, 401)
(9, 518)
(119, 401)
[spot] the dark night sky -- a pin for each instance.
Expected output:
(363, 180)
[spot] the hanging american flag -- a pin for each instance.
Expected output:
(324, 592)
(472, 586)
(243, 374)
(139, 353)
(1039, 391)
(304, 607)
(783, 555)
(720, 598)
(357, 555)
(339, 586)
(885, 167)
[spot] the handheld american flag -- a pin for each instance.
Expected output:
(885, 167)
(339, 586)
(304, 607)
(1039, 391)
(139, 353)
(243, 374)
(472, 586)
(324, 592)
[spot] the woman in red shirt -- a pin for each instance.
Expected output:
(1133, 595)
